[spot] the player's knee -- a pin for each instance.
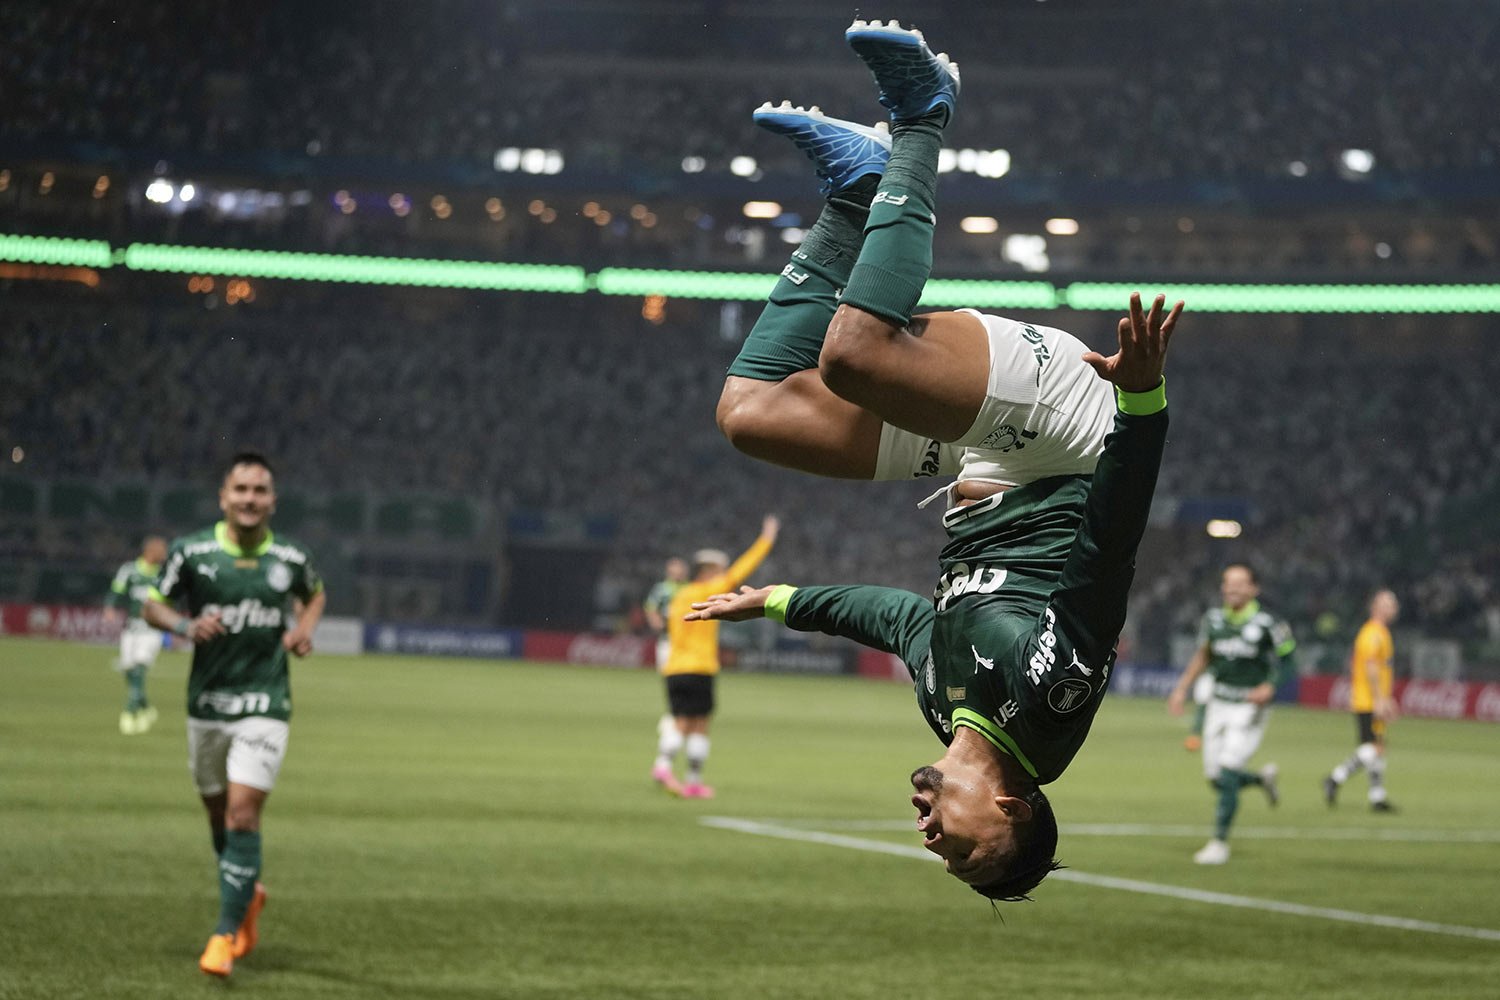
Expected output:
(1368, 754)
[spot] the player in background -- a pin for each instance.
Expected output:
(693, 663)
(1370, 682)
(659, 599)
(240, 584)
(1248, 653)
(139, 642)
(1057, 449)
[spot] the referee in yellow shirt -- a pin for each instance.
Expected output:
(1370, 680)
(693, 662)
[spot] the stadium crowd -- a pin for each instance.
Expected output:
(1322, 434)
(1244, 92)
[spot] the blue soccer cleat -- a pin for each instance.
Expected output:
(842, 152)
(912, 80)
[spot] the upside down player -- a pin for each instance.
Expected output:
(838, 378)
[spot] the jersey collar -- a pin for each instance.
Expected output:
(1244, 614)
(146, 569)
(221, 535)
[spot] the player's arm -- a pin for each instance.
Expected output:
(116, 596)
(1284, 666)
(893, 621)
(1089, 600)
(653, 618)
(1194, 669)
(172, 583)
(299, 640)
(751, 558)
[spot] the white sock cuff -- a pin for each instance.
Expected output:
(1368, 754)
(670, 741)
(697, 746)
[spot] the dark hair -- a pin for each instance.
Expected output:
(1033, 860)
(1254, 578)
(247, 458)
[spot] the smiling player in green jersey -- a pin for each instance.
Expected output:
(241, 584)
(1057, 449)
(139, 642)
(1248, 653)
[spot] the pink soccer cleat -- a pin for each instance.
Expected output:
(697, 790)
(664, 777)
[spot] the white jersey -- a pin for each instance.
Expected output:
(1046, 413)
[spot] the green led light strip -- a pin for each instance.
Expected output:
(52, 250)
(359, 270)
(1294, 298)
(733, 285)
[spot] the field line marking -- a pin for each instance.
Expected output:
(1110, 882)
(1191, 830)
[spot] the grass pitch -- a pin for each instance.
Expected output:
(458, 829)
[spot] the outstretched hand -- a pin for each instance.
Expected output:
(1137, 365)
(749, 603)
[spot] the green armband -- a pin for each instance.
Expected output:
(1142, 404)
(776, 604)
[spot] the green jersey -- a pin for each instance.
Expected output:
(132, 585)
(659, 599)
(243, 672)
(1018, 641)
(1246, 648)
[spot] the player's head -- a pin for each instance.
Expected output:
(708, 563)
(1000, 845)
(154, 549)
(676, 569)
(1238, 585)
(1384, 607)
(247, 493)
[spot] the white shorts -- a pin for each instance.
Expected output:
(1045, 413)
(1232, 731)
(139, 646)
(1203, 688)
(246, 751)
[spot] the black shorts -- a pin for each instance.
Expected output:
(690, 695)
(1370, 730)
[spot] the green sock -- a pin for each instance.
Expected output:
(239, 867)
(219, 839)
(1197, 726)
(788, 336)
(1229, 802)
(135, 688)
(896, 259)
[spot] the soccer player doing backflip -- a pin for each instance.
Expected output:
(1056, 447)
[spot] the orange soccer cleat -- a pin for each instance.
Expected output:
(246, 937)
(218, 956)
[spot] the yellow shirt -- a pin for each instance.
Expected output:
(1372, 646)
(695, 645)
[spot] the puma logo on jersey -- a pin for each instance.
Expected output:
(210, 570)
(890, 199)
(980, 661)
(1078, 666)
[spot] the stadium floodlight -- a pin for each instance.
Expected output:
(1224, 528)
(508, 160)
(1357, 161)
(533, 161)
(793, 235)
(979, 224)
(742, 166)
(947, 161)
(762, 209)
(693, 164)
(160, 191)
(993, 164)
(552, 163)
(1062, 227)
(187, 192)
(1297, 168)
(1028, 250)
(967, 160)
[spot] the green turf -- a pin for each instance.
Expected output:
(454, 829)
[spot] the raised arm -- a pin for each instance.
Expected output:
(751, 558)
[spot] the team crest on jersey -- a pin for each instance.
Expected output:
(279, 577)
(1006, 438)
(1253, 633)
(929, 676)
(1068, 695)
